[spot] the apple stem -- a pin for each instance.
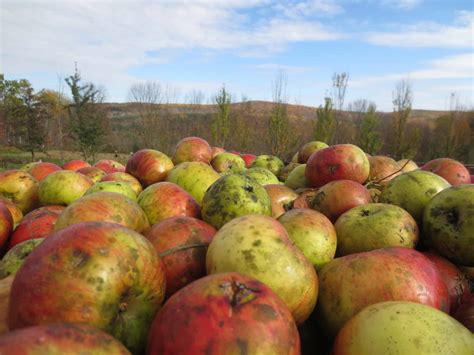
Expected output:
(183, 247)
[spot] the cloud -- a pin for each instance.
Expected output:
(308, 8)
(290, 69)
(430, 34)
(402, 4)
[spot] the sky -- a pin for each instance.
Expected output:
(202, 45)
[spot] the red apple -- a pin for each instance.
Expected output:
(60, 338)
(170, 237)
(337, 197)
(451, 170)
(6, 224)
(217, 150)
(281, 197)
(95, 273)
(248, 159)
(110, 166)
(227, 313)
(352, 282)
(41, 170)
(124, 177)
(465, 312)
(165, 199)
(304, 199)
(75, 165)
(337, 162)
(192, 149)
(95, 174)
(149, 166)
(21, 188)
(38, 223)
(15, 211)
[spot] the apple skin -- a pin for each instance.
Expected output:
(16, 256)
(248, 159)
(375, 226)
(124, 177)
(451, 170)
(233, 196)
(456, 281)
(465, 312)
(63, 187)
(21, 188)
(304, 199)
(110, 166)
(383, 169)
(350, 283)
(96, 273)
(309, 148)
(75, 164)
(228, 313)
(6, 224)
(38, 223)
(296, 178)
(399, 327)
(60, 338)
(193, 177)
(164, 200)
(41, 170)
(337, 197)
(270, 162)
(119, 187)
(448, 224)
(228, 162)
(217, 150)
(149, 166)
(337, 162)
(93, 173)
(412, 191)
(192, 149)
(15, 211)
(261, 175)
(181, 266)
(313, 233)
(286, 171)
(281, 197)
(407, 165)
(107, 207)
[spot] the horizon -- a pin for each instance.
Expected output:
(243, 45)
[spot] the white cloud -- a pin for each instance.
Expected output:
(402, 4)
(430, 34)
(290, 69)
(308, 8)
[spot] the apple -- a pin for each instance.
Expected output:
(149, 166)
(15, 211)
(60, 338)
(311, 232)
(407, 165)
(28, 166)
(412, 191)
(270, 162)
(304, 199)
(228, 162)
(217, 150)
(125, 177)
(374, 226)
(451, 170)
(465, 312)
(39, 223)
(228, 313)
(261, 175)
(75, 164)
(400, 327)
(95, 273)
(383, 169)
(233, 196)
(164, 200)
(259, 246)
(337, 162)
(286, 171)
(16, 256)
(5, 287)
(93, 173)
(297, 179)
(248, 159)
(6, 224)
(107, 207)
(41, 170)
(337, 197)
(63, 187)
(192, 149)
(309, 148)
(21, 188)
(281, 197)
(110, 166)
(448, 224)
(119, 187)
(182, 244)
(193, 177)
(350, 283)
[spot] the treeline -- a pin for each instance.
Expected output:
(76, 117)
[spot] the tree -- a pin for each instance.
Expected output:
(279, 130)
(339, 86)
(368, 138)
(220, 125)
(324, 121)
(402, 104)
(87, 122)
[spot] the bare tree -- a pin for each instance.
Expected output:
(339, 86)
(195, 97)
(221, 123)
(148, 96)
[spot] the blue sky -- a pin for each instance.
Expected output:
(244, 44)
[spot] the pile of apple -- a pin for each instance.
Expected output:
(215, 252)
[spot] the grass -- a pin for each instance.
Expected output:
(13, 158)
